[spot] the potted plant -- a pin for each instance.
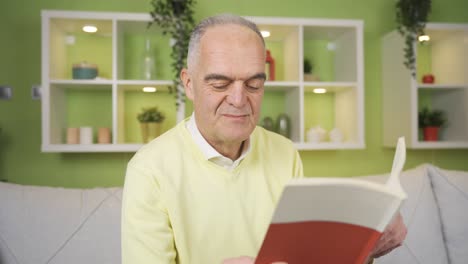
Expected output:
(308, 71)
(150, 122)
(175, 17)
(308, 76)
(411, 18)
(430, 121)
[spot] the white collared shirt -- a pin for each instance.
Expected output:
(212, 154)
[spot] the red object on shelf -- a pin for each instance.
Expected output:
(431, 133)
(428, 78)
(271, 66)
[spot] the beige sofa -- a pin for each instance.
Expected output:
(40, 225)
(436, 214)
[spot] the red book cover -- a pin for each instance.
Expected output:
(332, 220)
(339, 243)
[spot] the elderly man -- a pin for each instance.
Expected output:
(205, 191)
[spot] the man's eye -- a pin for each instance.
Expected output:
(220, 85)
(255, 84)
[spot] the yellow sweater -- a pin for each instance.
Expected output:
(179, 207)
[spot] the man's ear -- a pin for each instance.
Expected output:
(187, 82)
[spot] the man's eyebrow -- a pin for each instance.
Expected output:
(216, 76)
(260, 75)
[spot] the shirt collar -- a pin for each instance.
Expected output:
(211, 153)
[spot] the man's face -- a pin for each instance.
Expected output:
(226, 83)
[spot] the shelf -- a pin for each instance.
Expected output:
(454, 103)
(83, 83)
(145, 82)
(131, 100)
(331, 84)
(333, 52)
(71, 45)
(441, 86)
(280, 86)
(443, 56)
(91, 148)
(328, 146)
(283, 44)
(115, 98)
(74, 105)
(283, 101)
(132, 37)
(440, 145)
(337, 108)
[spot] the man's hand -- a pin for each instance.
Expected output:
(245, 260)
(391, 238)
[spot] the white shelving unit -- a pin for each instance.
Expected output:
(113, 100)
(446, 57)
(336, 50)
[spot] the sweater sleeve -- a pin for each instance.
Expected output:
(147, 235)
(298, 170)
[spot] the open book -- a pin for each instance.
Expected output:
(332, 220)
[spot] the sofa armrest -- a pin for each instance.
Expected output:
(424, 242)
(451, 193)
(57, 225)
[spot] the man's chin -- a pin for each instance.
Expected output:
(237, 135)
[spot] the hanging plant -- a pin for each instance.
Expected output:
(411, 17)
(175, 17)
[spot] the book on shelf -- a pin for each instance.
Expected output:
(332, 220)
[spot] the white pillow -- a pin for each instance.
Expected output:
(451, 192)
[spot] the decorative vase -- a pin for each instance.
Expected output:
(310, 77)
(148, 66)
(154, 130)
(144, 131)
(283, 125)
(269, 66)
(268, 123)
(150, 130)
(431, 133)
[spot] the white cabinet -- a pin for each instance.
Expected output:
(114, 98)
(335, 49)
(445, 56)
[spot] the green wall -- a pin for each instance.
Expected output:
(21, 160)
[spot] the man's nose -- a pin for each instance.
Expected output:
(237, 94)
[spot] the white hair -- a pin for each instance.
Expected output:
(222, 19)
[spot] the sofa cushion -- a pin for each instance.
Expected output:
(451, 192)
(424, 242)
(57, 225)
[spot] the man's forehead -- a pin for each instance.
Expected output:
(222, 30)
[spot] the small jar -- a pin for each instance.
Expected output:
(104, 135)
(73, 135)
(86, 135)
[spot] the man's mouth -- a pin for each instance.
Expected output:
(236, 116)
